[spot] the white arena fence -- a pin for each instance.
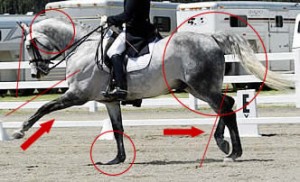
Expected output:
(293, 98)
(248, 126)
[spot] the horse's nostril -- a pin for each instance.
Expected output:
(33, 75)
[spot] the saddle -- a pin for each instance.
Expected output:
(130, 64)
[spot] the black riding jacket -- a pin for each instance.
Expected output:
(139, 30)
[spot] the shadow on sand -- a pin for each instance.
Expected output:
(162, 163)
(157, 162)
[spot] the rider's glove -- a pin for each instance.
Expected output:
(103, 20)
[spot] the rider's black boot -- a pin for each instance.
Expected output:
(119, 92)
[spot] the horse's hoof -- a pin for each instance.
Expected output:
(228, 159)
(117, 160)
(18, 135)
(225, 147)
(232, 157)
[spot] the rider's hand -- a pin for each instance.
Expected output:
(103, 20)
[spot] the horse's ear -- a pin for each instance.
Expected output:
(24, 27)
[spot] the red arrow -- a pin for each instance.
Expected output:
(45, 127)
(192, 131)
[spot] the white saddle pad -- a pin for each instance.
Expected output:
(135, 64)
(139, 63)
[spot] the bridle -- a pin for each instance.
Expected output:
(42, 64)
(37, 57)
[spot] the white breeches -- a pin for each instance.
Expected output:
(119, 45)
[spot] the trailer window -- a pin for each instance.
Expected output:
(299, 27)
(279, 21)
(236, 22)
(163, 24)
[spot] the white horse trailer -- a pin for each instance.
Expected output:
(162, 14)
(296, 42)
(10, 38)
(296, 51)
(274, 21)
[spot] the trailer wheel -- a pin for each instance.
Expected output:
(63, 90)
(52, 91)
(22, 92)
(3, 93)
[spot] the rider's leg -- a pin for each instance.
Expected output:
(119, 45)
(119, 76)
(115, 54)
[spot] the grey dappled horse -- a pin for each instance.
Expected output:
(193, 62)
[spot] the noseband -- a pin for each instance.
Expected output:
(41, 64)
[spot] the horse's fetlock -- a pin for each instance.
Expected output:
(25, 126)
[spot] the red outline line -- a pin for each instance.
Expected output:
(213, 128)
(45, 91)
(20, 58)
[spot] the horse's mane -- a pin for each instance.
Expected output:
(76, 23)
(66, 21)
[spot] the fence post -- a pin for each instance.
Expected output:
(297, 76)
(193, 102)
(93, 106)
(3, 135)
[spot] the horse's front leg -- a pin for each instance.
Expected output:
(114, 112)
(67, 100)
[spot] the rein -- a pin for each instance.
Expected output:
(100, 44)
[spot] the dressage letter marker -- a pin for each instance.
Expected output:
(45, 127)
(192, 131)
(243, 100)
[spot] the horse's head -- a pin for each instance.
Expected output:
(38, 47)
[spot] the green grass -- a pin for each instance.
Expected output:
(45, 97)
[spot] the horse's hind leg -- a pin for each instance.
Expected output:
(214, 100)
(65, 101)
(231, 123)
(114, 112)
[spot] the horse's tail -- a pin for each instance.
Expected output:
(235, 44)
